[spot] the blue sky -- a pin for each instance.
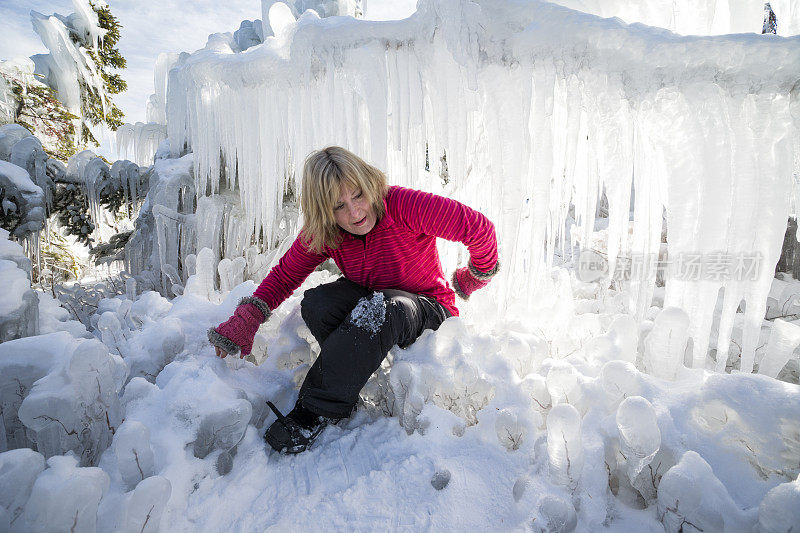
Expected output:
(151, 27)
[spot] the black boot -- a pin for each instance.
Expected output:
(294, 432)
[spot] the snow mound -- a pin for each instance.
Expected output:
(60, 394)
(19, 306)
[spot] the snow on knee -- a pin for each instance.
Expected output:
(370, 313)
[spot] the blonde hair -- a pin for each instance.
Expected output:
(324, 173)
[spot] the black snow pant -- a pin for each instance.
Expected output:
(355, 328)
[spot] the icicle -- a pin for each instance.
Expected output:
(701, 132)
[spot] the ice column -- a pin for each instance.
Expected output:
(146, 505)
(665, 345)
(562, 383)
(65, 496)
(619, 380)
(133, 452)
(18, 472)
(564, 446)
(701, 130)
(639, 436)
(783, 340)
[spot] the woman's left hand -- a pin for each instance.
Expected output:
(468, 279)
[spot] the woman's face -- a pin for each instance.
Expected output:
(353, 212)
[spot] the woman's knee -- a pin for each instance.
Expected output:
(312, 306)
(326, 306)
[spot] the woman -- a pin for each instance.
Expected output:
(383, 239)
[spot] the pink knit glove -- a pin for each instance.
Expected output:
(239, 330)
(469, 279)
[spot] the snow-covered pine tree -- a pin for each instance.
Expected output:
(95, 108)
(770, 21)
(36, 107)
(82, 63)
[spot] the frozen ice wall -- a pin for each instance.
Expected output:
(524, 111)
(139, 142)
(25, 186)
(19, 306)
(696, 17)
(324, 8)
(156, 104)
(164, 232)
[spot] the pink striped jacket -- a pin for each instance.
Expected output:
(398, 253)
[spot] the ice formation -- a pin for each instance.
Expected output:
(542, 413)
(452, 422)
(165, 230)
(68, 65)
(133, 452)
(704, 17)
(639, 436)
(139, 142)
(60, 394)
(145, 506)
(19, 304)
(699, 128)
(24, 183)
(18, 471)
(564, 446)
(665, 345)
(558, 515)
(780, 509)
(156, 104)
(64, 496)
(690, 495)
(783, 340)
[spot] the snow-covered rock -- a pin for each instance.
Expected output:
(23, 198)
(18, 472)
(691, 495)
(19, 305)
(64, 496)
(11, 134)
(780, 508)
(60, 394)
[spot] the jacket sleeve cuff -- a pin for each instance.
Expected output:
(483, 275)
(259, 303)
(221, 341)
(457, 288)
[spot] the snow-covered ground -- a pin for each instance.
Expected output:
(547, 423)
